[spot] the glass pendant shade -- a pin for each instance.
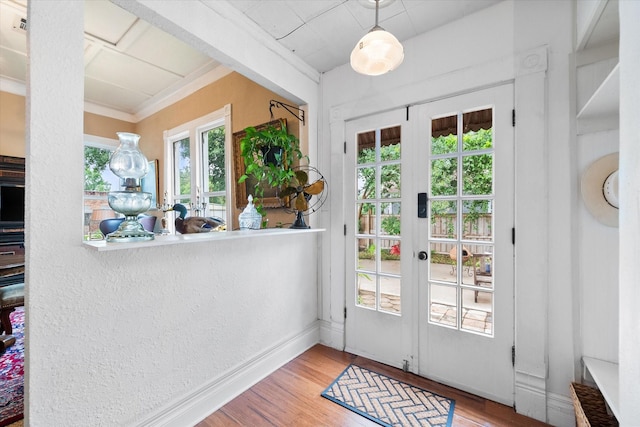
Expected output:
(376, 53)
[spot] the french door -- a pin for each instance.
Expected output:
(429, 257)
(466, 290)
(378, 267)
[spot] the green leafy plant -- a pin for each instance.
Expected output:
(257, 146)
(96, 160)
(476, 172)
(391, 224)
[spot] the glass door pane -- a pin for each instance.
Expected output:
(378, 210)
(461, 238)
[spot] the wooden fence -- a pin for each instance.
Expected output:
(442, 227)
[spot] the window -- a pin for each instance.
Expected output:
(198, 161)
(98, 181)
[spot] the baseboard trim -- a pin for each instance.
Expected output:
(332, 334)
(193, 408)
(560, 411)
(531, 395)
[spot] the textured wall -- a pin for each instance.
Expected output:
(115, 336)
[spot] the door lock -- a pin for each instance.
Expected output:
(422, 255)
(422, 205)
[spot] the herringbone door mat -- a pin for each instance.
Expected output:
(389, 402)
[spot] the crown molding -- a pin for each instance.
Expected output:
(172, 95)
(101, 110)
(13, 86)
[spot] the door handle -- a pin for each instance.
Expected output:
(422, 255)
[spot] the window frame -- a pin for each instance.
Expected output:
(101, 143)
(193, 130)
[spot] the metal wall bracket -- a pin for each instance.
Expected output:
(290, 108)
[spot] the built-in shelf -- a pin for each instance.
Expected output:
(605, 100)
(598, 33)
(179, 239)
(605, 375)
(597, 23)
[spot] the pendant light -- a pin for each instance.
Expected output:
(378, 52)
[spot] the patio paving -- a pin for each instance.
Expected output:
(475, 316)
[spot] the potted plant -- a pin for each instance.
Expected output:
(269, 153)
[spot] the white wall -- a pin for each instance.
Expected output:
(598, 254)
(127, 337)
(529, 42)
(629, 322)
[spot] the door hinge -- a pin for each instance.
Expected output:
(345, 229)
(513, 117)
(513, 235)
(513, 355)
(407, 113)
(405, 365)
(345, 147)
(345, 312)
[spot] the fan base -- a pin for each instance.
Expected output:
(299, 223)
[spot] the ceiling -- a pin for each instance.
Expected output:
(132, 68)
(324, 32)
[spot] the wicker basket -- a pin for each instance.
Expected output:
(590, 407)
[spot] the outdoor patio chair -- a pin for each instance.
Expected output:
(466, 254)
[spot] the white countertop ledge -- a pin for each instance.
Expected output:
(181, 239)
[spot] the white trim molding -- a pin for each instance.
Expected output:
(531, 204)
(332, 334)
(531, 61)
(531, 395)
(194, 407)
(12, 86)
(560, 410)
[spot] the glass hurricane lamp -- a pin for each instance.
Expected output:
(130, 165)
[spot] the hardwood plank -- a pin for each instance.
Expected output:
(221, 420)
(291, 397)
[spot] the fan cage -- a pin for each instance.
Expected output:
(315, 202)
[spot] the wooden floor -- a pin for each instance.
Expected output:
(291, 397)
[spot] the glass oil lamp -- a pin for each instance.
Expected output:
(130, 165)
